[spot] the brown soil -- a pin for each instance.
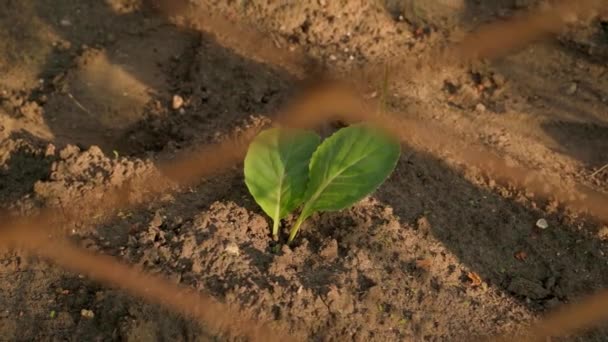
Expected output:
(439, 253)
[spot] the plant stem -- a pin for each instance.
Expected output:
(275, 228)
(296, 227)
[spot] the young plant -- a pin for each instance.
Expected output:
(288, 168)
(276, 170)
(346, 167)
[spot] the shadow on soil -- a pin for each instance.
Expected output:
(586, 142)
(558, 84)
(496, 236)
(112, 74)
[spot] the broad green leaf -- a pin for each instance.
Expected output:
(346, 167)
(276, 170)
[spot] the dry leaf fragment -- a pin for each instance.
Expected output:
(475, 279)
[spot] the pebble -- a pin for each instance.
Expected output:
(480, 107)
(542, 223)
(332, 57)
(330, 250)
(177, 102)
(50, 150)
(233, 249)
(65, 22)
(157, 220)
(87, 313)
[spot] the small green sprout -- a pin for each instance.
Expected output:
(288, 168)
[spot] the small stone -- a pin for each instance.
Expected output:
(157, 220)
(177, 102)
(50, 150)
(87, 313)
(333, 57)
(65, 22)
(232, 249)
(322, 3)
(572, 88)
(480, 107)
(542, 224)
(423, 224)
(330, 250)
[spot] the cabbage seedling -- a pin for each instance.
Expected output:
(276, 170)
(288, 168)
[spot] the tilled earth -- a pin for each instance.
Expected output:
(94, 93)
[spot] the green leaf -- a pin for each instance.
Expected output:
(346, 167)
(276, 170)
